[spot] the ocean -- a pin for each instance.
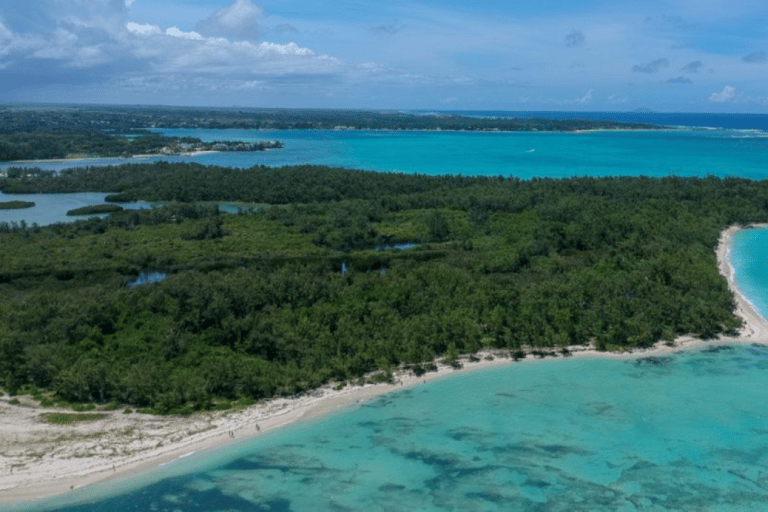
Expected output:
(680, 432)
(675, 432)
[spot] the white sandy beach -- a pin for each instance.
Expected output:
(38, 459)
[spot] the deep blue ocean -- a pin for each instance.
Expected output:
(686, 431)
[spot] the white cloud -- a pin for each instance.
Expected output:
(727, 94)
(5, 33)
(89, 56)
(180, 34)
(63, 43)
(250, 85)
(121, 58)
(444, 49)
(239, 20)
(143, 30)
(586, 99)
(220, 56)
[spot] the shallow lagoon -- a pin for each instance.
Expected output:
(684, 431)
(52, 208)
(750, 247)
(522, 154)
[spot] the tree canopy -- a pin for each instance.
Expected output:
(302, 291)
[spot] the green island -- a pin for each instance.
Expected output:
(126, 119)
(314, 287)
(89, 144)
(97, 208)
(16, 205)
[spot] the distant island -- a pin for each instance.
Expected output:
(97, 208)
(43, 145)
(16, 205)
(135, 120)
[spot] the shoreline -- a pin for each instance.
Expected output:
(40, 460)
(755, 326)
(11, 163)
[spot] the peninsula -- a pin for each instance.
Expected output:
(92, 144)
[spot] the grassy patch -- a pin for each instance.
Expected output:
(112, 406)
(64, 418)
(83, 407)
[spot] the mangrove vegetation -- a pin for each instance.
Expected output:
(87, 144)
(309, 288)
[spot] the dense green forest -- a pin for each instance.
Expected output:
(94, 209)
(291, 296)
(67, 144)
(135, 119)
(162, 181)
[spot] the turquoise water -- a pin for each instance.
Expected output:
(750, 251)
(148, 277)
(525, 155)
(690, 152)
(680, 432)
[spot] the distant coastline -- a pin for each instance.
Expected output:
(89, 158)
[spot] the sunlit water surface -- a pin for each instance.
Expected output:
(679, 432)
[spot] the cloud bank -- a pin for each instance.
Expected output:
(239, 20)
(727, 94)
(411, 54)
(98, 38)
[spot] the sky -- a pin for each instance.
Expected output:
(531, 55)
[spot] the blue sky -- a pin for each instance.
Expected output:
(674, 55)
